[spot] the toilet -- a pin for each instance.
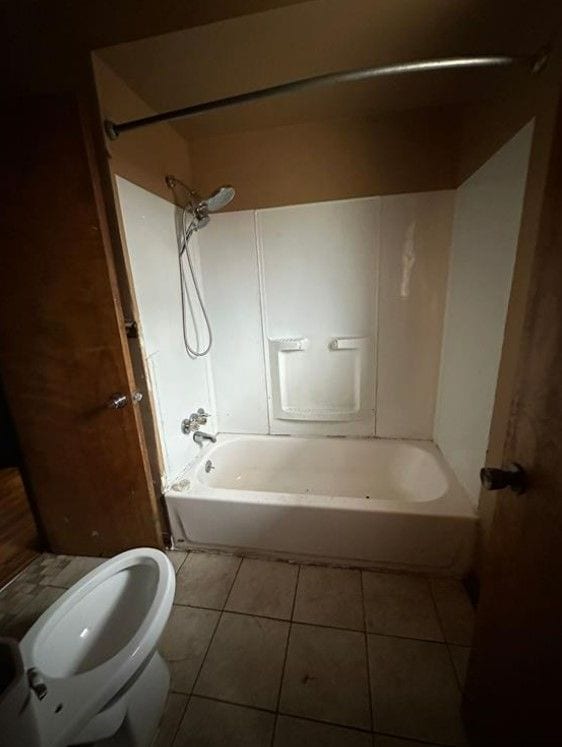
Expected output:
(88, 671)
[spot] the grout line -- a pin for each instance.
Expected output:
(321, 562)
(285, 654)
(221, 613)
(224, 609)
(263, 709)
(457, 675)
(282, 713)
(263, 318)
(180, 721)
(447, 644)
(378, 306)
(366, 640)
(182, 562)
(412, 740)
(298, 717)
(326, 723)
(317, 625)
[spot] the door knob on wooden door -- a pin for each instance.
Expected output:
(119, 400)
(513, 476)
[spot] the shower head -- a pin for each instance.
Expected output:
(220, 198)
(199, 207)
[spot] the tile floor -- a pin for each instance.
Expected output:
(266, 653)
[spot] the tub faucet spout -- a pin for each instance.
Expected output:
(200, 436)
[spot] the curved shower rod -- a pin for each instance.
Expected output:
(535, 63)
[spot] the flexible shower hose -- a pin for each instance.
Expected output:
(187, 231)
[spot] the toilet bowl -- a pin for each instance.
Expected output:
(91, 665)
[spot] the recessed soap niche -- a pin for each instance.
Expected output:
(321, 380)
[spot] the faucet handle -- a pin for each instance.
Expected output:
(196, 419)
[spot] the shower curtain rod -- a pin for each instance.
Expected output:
(534, 63)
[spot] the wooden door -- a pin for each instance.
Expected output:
(19, 538)
(63, 349)
(513, 695)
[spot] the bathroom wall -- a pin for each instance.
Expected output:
(230, 268)
(485, 235)
(371, 268)
(332, 159)
(298, 148)
(319, 283)
(415, 244)
(143, 157)
(180, 384)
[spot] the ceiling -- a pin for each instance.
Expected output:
(309, 38)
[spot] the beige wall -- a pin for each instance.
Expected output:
(315, 161)
(144, 156)
(411, 151)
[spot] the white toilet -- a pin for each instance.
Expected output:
(88, 670)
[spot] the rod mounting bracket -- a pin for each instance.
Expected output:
(110, 129)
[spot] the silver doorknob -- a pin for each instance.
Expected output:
(117, 401)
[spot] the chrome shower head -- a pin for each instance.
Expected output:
(220, 198)
(199, 207)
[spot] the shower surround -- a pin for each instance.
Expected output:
(326, 369)
(327, 318)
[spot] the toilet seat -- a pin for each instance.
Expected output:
(92, 641)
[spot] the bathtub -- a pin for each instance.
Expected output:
(352, 501)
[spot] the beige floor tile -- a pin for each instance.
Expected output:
(185, 642)
(264, 587)
(460, 656)
(74, 571)
(414, 690)
(176, 558)
(208, 723)
(291, 732)
(326, 676)
(400, 605)
(245, 661)
(455, 610)
(329, 596)
(170, 721)
(204, 580)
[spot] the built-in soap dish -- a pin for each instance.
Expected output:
(319, 380)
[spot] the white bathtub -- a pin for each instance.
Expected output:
(385, 503)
